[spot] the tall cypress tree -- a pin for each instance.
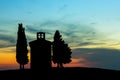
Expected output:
(61, 51)
(21, 47)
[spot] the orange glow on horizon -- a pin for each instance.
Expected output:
(8, 59)
(76, 63)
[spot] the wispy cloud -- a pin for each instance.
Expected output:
(34, 30)
(30, 29)
(86, 43)
(6, 39)
(100, 57)
(74, 33)
(1, 30)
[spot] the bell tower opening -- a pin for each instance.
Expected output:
(40, 35)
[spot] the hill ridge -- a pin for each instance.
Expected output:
(75, 73)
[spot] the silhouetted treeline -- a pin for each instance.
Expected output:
(61, 51)
(21, 47)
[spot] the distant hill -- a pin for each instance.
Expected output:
(71, 73)
(82, 73)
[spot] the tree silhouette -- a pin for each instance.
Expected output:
(61, 51)
(21, 47)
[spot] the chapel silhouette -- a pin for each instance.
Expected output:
(40, 50)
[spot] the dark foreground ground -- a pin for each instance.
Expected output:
(61, 74)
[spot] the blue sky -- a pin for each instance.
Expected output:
(92, 25)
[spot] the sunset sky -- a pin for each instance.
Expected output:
(90, 27)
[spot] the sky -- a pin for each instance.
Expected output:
(90, 27)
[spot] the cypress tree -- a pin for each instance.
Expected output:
(21, 47)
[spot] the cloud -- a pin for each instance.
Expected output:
(31, 31)
(34, 30)
(30, 28)
(85, 43)
(93, 23)
(74, 33)
(100, 57)
(1, 31)
(6, 39)
(90, 43)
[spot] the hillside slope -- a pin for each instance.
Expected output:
(77, 73)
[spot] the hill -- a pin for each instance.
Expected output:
(74, 73)
(77, 73)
